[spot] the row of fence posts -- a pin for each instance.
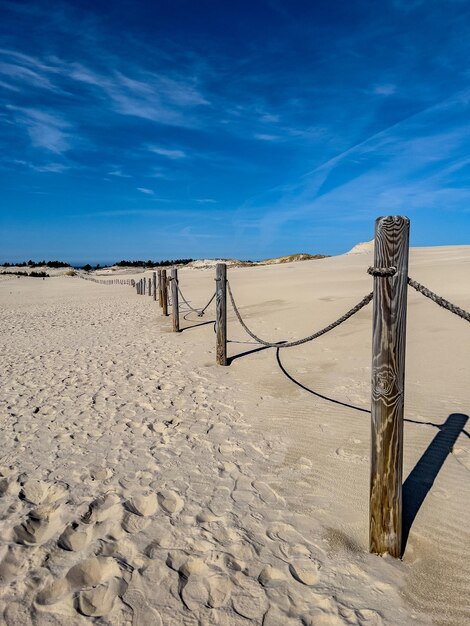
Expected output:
(388, 371)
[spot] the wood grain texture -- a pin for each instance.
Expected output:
(164, 288)
(388, 386)
(160, 293)
(154, 280)
(221, 313)
(174, 301)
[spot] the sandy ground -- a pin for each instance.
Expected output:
(141, 484)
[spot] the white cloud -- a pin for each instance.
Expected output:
(171, 154)
(266, 137)
(119, 174)
(386, 89)
(149, 192)
(46, 130)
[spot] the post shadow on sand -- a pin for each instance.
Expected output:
(194, 325)
(422, 476)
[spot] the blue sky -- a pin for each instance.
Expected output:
(230, 129)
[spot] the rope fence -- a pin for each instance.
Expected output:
(389, 297)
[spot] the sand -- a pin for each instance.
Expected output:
(141, 484)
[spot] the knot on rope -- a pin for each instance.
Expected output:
(382, 271)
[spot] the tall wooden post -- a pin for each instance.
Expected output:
(150, 287)
(154, 279)
(164, 290)
(174, 301)
(160, 292)
(221, 313)
(388, 385)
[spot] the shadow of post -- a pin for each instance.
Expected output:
(421, 478)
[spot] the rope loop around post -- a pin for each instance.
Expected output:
(382, 271)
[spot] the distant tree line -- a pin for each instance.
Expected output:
(51, 264)
(32, 274)
(150, 263)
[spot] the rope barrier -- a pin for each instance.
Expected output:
(200, 312)
(382, 271)
(298, 342)
(442, 302)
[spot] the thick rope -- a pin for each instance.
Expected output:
(200, 312)
(445, 304)
(298, 342)
(382, 271)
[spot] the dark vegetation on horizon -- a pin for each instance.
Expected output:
(51, 264)
(150, 263)
(32, 274)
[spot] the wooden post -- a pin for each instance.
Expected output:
(150, 287)
(160, 292)
(388, 386)
(221, 313)
(154, 277)
(174, 301)
(164, 291)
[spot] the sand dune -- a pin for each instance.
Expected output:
(141, 484)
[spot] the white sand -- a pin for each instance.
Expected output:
(141, 484)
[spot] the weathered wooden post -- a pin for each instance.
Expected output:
(388, 384)
(174, 301)
(221, 313)
(154, 279)
(160, 292)
(164, 291)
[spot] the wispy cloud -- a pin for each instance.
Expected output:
(46, 130)
(148, 192)
(266, 137)
(166, 152)
(386, 89)
(119, 174)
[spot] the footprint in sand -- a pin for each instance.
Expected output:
(133, 523)
(142, 613)
(74, 538)
(98, 601)
(463, 456)
(41, 524)
(96, 581)
(267, 495)
(305, 571)
(202, 587)
(12, 564)
(271, 576)
(250, 601)
(15, 614)
(102, 509)
(171, 502)
(38, 491)
(143, 505)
